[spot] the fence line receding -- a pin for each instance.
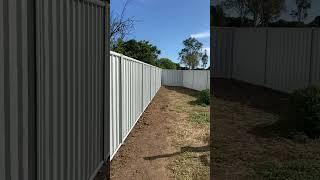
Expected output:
(192, 79)
(133, 85)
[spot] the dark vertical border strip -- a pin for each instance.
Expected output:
(106, 90)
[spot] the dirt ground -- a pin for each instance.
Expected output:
(170, 140)
(248, 140)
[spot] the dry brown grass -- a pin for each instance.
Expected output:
(248, 141)
(191, 136)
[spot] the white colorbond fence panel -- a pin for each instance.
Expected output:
(192, 79)
(134, 84)
(282, 59)
(114, 103)
(315, 61)
(188, 79)
(248, 58)
(288, 59)
(222, 56)
(200, 80)
(172, 77)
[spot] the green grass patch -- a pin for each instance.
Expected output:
(200, 117)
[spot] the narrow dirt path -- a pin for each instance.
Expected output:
(163, 138)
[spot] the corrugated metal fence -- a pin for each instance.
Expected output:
(192, 79)
(52, 72)
(133, 86)
(17, 109)
(283, 59)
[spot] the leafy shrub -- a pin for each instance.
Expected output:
(305, 110)
(204, 97)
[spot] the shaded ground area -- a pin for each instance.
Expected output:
(249, 140)
(170, 141)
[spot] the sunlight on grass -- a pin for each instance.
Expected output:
(200, 117)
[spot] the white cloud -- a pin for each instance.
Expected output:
(201, 35)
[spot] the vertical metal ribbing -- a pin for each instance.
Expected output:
(55, 88)
(80, 74)
(142, 82)
(120, 100)
(75, 88)
(232, 54)
(13, 85)
(2, 96)
(89, 60)
(77, 7)
(311, 58)
(92, 121)
(266, 57)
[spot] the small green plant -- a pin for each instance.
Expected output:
(305, 110)
(204, 97)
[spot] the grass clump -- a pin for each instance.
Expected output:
(305, 110)
(200, 117)
(204, 97)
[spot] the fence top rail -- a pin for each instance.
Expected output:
(96, 2)
(131, 59)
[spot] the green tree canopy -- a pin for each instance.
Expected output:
(140, 50)
(166, 63)
(191, 54)
(204, 59)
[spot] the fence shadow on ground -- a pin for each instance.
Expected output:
(254, 96)
(185, 149)
(260, 98)
(183, 90)
(190, 92)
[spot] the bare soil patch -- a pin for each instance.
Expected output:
(167, 142)
(249, 141)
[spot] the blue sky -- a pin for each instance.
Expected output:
(166, 23)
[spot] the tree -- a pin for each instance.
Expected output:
(238, 6)
(120, 26)
(204, 59)
(264, 12)
(315, 22)
(166, 63)
(302, 10)
(191, 54)
(261, 11)
(140, 50)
